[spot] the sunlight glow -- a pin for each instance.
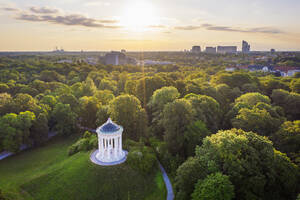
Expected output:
(138, 16)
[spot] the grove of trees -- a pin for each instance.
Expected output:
(219, 135)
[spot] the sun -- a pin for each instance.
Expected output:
(138, 15)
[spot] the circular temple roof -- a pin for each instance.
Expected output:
(109, 127)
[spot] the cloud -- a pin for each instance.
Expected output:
(43, 10)
(268, 30)
(187, 28)
(211, 27)
(68, 20)
(10, 9)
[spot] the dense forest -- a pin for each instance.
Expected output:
(219, 135)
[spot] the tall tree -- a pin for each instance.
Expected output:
(156, 105)
(177, 115)
(126, 110)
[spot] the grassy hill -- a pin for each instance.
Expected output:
(48, 173)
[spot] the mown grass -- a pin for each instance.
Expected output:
(48, 173)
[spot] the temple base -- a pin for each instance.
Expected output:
(95, 159)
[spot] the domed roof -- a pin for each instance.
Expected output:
(109, 127)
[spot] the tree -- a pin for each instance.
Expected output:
(287, 139)
(65, 119)
(15, 130)
(49, 100)
(253, 98)
(236, 79)
(256, 120)
(126, 110)
(104, 96)
(214, 187)
(24, 102)
(270, 84)
(193, 136)
(71, 100)
(207, 110)
(289, 101)
(88, 87)
(110, 85)
(4, 88)
(130, 87)
(187, 176)
(50, 76)
(6, 104)
(255, 168)
(39, 130)
(295, 85)
(102, 115)
(88, 110)
(177, 115)
(156, 105)
(146, 86)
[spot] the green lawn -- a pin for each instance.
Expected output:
(48, 173)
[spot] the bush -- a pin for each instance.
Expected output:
(72, 150)
(142, 160)
(87, 142)
(140, 157)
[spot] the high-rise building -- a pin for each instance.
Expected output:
(227, 49)
(245, 47)
(211, 50)
(196, 49)
(272, 50)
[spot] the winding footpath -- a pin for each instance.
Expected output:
(170, 195)
(6, 154)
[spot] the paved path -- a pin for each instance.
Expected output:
(6, 154)
(170, 195)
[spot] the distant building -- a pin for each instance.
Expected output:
(245, 47)
(272, 50)
(227, 49)
(196, 49)
(211, 50)
(118, 58)
(115, 58)
(123, 51)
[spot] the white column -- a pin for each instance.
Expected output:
(119, 150)
(100, 146)
(115, 148)
(120, 144)
(108, 149)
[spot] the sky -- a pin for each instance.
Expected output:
(148, 25)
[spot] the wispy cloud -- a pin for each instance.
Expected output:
(269, 30)
(187, 28)
(10, 9)
(43, 10)
(54, 16)
(211, 27)
(69, 20)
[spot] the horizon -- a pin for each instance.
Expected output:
(94, 25)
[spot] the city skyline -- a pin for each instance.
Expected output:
(148, 25)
